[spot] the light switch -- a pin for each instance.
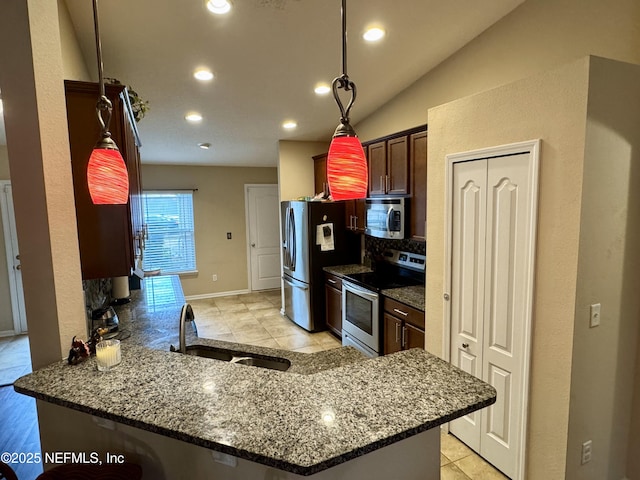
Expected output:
(595, 315)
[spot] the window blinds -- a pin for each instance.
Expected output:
(170, 244)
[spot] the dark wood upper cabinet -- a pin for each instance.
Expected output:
(377, 158)
(106, 233)
(418, 168)
(397, 177)
(320, 174)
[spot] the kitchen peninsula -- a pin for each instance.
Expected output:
(332, 415)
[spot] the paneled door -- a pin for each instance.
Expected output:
(15, 293)
(263, 234)
(491, 250)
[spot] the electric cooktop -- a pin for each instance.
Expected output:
(398, 269)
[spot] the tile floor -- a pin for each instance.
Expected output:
(255, 319)
(15, 359)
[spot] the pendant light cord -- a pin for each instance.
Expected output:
(104, 104)
(343, 82)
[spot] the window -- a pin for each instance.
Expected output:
(170, 244)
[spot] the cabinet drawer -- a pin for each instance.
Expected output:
(333, 280)
(400, 310)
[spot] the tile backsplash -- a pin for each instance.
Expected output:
(375, 246)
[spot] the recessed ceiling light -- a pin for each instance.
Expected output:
(322, 89)
(205, 146)
(373, 34)
(193, 117)
(289, 125)
(203, 74)
(219, 7)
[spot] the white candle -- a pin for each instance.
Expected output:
(108, 354)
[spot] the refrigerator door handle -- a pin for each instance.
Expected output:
(295, 283)
(285, 240)
(293, 240)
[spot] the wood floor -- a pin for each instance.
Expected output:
(19, 430)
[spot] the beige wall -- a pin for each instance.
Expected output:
(537, 36)
(551, 107)
(219, 207)
(608, 273)
(73, 64)
(31, 76)
(295, 167)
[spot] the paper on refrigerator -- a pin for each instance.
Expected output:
(324, 237)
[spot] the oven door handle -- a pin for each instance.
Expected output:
(360, 291)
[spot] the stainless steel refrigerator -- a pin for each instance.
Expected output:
(314, 235)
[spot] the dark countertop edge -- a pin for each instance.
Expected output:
(264, 460)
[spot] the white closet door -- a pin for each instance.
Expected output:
(467, 287)
(506, 286)
(490, 250)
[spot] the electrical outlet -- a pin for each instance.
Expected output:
(586, 452)
(594, 319)
(214, 277)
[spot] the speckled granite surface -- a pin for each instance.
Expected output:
(301, 422)
(342, 270)
(412, 296)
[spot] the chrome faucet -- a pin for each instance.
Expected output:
(186, 315)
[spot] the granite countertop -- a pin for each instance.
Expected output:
(342, 270)
(303, 420)
(413, 296)
(298, 423)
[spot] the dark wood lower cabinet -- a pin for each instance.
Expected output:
(333, 303)
(403, 326)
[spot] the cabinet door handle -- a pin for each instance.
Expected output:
(397, 333)
(400, 312)
(404, 337)
(388, 184)
(330, 280)
(381, 185)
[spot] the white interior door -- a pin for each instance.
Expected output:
(263, 219)
(13, 259)
(493, 203)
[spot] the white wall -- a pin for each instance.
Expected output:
(6, 319)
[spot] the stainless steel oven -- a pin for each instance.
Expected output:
(361, 318)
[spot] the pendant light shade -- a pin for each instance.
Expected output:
(107, 176)
(346, 163)
(347, 169)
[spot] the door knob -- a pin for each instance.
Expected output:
(253, 244)
(465, 345)
(18, 267)
(17, 257)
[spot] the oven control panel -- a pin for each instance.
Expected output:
(414, 261)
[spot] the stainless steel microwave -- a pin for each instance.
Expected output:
(385, 217)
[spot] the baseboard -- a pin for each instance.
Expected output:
(7, 333)
(217, 294)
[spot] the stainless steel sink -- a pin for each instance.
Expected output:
(209, 352)
(272, 363)
(242, 358)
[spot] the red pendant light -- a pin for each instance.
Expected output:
(346, 163)
(107, 176)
